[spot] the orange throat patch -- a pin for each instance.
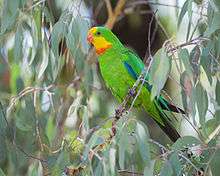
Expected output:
(100, 51)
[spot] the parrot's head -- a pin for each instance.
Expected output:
(102, 39)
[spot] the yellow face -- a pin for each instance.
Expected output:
(100, 43)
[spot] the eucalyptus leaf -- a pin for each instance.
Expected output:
(10, 14)
(45, 59)
(217, 92)
(185, 59)
(175, 163)
(58, 34)
(215, 24)
(2, 173)
(202, 102)
(159, 72)
(3, 150)
(210, 126)
(215, 163)
(123, 146)
(149, 169)
(185, 142)
(3, 123)
(166, 169)
(18, 44)
(183, 11)
(142, 142)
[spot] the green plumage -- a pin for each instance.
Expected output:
(120, 68)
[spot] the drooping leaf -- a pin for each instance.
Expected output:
(217, 92)
(184, 58)
(45, 59)
(123, 146)
(166, 169)
(76, 41)
(202, 102)
(210, 126)
(214, 24)
(194, 61)
(185, 142)
(142, 142)
(3, 123)
(18, 43)
(217, 3)
(2, 173)
(58, 34)
(88, 82)
(215, 163)
(3, 150)
(159, 72)
(175, 163)
(85, 118)
(10, 13)
(149, 169)
(183, 11)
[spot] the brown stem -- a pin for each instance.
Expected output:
(113, 15)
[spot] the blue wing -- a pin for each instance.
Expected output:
(134, 66)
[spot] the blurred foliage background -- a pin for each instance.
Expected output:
(56, 115)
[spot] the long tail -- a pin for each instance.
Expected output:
(168, 128)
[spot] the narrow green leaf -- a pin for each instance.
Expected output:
(2, 173)
(123, 145)
(215, 24)
(10, 14)
(99, 169)
(3, 123)
(159, 72)
(184, 58)
(149, 169)
(18, 46)
(3, 149)
(210, 126)
(184, 142)
(215, 163)
(183, 12)
(202, 102)
(45, 59)
(175, 163)
(58, 33)
(217, 92)
(189, 11)
(194, 61)
(112, 160)
(15, 74)
(166, 169)
(85, 118)
(88, 82)
(217, 3)
(142, 142)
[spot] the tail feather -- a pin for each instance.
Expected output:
(169, 129)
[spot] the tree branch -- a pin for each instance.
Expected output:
(113, 15)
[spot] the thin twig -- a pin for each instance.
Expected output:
(141, 2)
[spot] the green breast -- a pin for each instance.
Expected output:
(115, 75)
(118, 80)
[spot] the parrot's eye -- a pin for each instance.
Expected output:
(98, 33)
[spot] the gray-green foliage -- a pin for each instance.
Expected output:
(50, 82)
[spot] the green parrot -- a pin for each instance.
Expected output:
(120, 68)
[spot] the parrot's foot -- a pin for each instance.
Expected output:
(132, 92)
